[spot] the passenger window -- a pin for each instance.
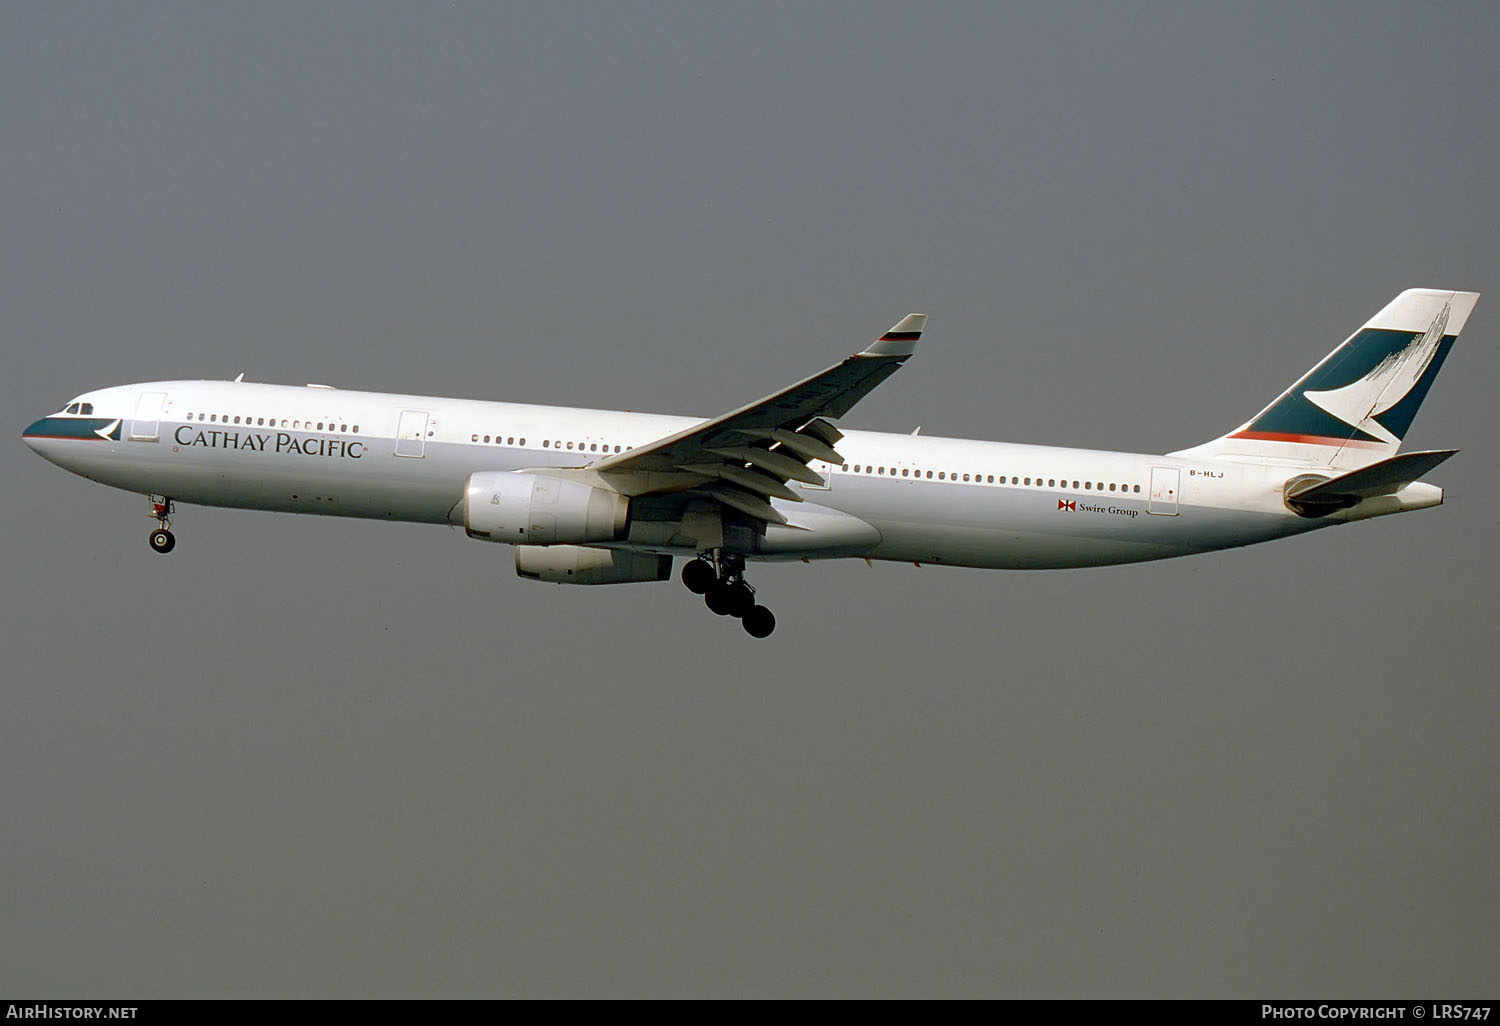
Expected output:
(905, 472)
(296, 423)
(1111, 487)
(1137, 487)
(510, 439)
(523, 442)
(942, 475)
(991, 480)
(356, 429)
(966, 477)
(545, 443)
(929, 475)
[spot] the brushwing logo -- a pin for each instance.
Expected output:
(1364, 394)
(1071, 505)
(1384, 385)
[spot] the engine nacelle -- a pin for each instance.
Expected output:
(574, 564)
(531, 509)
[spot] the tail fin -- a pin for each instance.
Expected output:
(1354, 408)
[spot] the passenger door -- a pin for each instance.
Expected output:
(411, 433)
(147, 424)
(1164, 481)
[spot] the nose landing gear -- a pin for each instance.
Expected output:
(162, 540)
(720, 579)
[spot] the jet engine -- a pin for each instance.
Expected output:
(575, 564)
(531, 509)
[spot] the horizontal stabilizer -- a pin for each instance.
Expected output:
(1311, 497)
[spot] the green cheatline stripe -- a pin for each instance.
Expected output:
(73, 427)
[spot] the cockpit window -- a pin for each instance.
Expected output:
(72, 408)
(86, 409)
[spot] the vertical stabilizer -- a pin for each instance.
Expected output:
(1354, 408)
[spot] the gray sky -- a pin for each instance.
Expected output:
(302, 757)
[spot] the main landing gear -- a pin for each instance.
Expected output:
(162, 540)
(725, 591)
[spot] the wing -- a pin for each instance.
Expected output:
(746, 457)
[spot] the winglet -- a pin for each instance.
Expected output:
(901, 340)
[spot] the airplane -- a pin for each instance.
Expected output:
(594, 497)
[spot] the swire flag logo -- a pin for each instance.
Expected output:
(1071, 505)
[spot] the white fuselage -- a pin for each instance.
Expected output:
(928, 499)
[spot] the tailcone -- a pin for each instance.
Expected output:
(1417, 495)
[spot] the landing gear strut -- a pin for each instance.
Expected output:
(162, 540)
(720, 579)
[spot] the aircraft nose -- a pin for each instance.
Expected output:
(34, 433)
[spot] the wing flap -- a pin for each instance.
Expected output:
(822, 431)
(751, 480)
(783, 466)
(805, 445)
(750, 505)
